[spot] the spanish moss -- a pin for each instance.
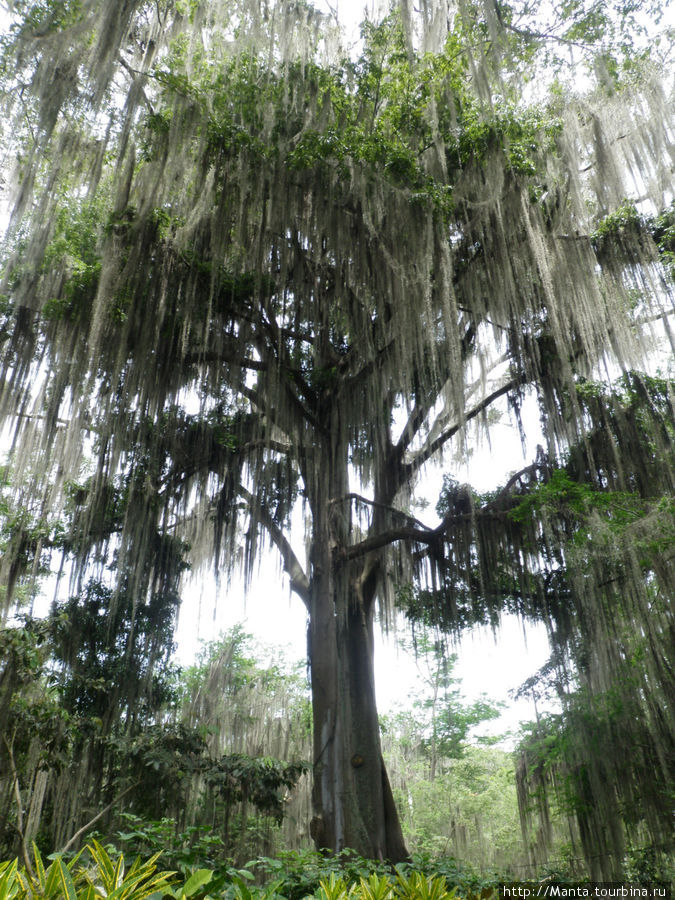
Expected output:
(246, 272)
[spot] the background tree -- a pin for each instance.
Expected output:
(608, 757)
(439, 721)
(456, 791)
(86, 746)
(341, 265)
(607, 760)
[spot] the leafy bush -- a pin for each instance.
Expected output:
(102, 877)
(181, 850)
(300, 872)
(308, 873)
(98, 872)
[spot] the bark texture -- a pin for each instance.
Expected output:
(245, 274)
(353, 803)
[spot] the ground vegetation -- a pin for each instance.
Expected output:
(246, 272)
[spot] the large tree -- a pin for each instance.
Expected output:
(247, 272)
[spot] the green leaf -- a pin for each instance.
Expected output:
(104, 865)
(87, 893)
(52, 880)
(65, 881)
(39, 867)
(9, 879)
(195, 881)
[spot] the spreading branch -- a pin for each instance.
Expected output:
(358, 498)
(292, 565)
(219, 357)
(538, 35)
(496, 509)
(422, 408)
(424, 455)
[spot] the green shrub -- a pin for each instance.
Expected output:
(100, 873)
(102, 877)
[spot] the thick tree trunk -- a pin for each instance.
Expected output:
(352, 798)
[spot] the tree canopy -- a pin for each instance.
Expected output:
(246, 270)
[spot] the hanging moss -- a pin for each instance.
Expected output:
(244, 269)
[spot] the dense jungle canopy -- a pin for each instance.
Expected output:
(248, 269)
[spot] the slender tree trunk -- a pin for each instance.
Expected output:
(352, 799)
(434, 736)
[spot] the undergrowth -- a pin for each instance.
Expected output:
(101, 873)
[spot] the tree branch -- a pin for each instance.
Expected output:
(516, 478)
(426, 536)
(542, 36)
(292, 566)
(430, 536)
(19, 808)
(207, 462)
(369, 367)
(215, 356)
(427, 452)
(255, 398)
(384, 506)
(98, 815)
(421, 410)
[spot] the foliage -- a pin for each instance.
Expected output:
(610, 729)
(99, 872)
(300, 874)
(469, 810)
(245, 269)
(181, 851)
(101, 877)
(621, 232)
(456, 790)
(563, 496)
(663, 231)
(27, 539)
(103, 645)
(438, 721)
(613, 526)
(60, 687)
(562, 766)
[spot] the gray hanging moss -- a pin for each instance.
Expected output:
(244, 270)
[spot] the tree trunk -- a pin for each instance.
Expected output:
(352, 799)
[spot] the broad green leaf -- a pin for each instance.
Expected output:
(118, 877)
(195, 881)
(10, 884)
(53, 880)
(88, 892)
